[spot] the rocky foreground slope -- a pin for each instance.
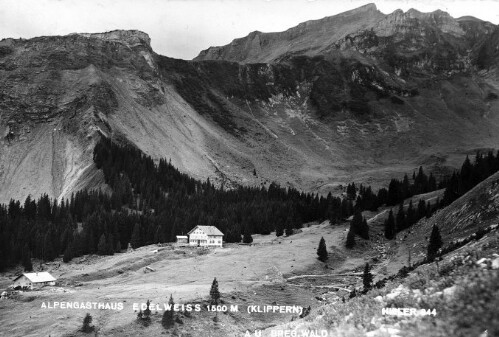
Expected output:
(358, 96)
(458, 291)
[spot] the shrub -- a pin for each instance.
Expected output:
(491, 96)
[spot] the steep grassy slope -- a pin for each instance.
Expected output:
(476, 210)
(461, 285)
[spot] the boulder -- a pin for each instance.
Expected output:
(495, 263)
(384, 331)
(400, 290)
(450, 291)
(484, 262)
(417, 293)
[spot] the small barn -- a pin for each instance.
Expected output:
(182, 240)
(34, 280)
(209, 236)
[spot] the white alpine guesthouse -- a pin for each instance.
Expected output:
(205, 236)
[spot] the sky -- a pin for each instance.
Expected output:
(182, 28)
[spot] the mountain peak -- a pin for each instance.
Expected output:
(309, 37)
(400, 22)
(414, 13)
(366, 8)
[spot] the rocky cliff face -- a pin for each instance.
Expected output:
(359, 96)
(132, 38)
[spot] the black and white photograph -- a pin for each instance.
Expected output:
(249, 168)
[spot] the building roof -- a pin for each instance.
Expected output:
(182, 236)
(208, 230)
(42, 276)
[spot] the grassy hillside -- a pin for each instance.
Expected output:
(460, 286)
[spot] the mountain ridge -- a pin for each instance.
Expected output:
(359, 16)
(367, 108)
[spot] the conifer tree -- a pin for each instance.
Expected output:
(435, 242)
(429, 210)
(168, 320)
(345, 208)
(405, 187)
(364, 230)
(247, 238)
(411, 215)
(322, 250)
(359, 226)
(102, 246)
(390, 226)
(214, 293)
(90, 241)
(146, 317)
(48, 248)
(466, 176)
(351, 191)
(26, 259)
(86, 324)
(110, 245)
(135, 240)
(68, 253)
(394, 193)
(401, 221)
(350, 243)
(289, 227)
(367, 278)
(421, 212)
(279, 231)
(159, 235)
(432, 183)
(233, 234)
(356, 223)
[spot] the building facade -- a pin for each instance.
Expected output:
(205, 236)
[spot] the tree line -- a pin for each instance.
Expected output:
(152, 202)
(397, 191)
(456, 185)
(460, 182)
(470, 175)
(149, 203)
